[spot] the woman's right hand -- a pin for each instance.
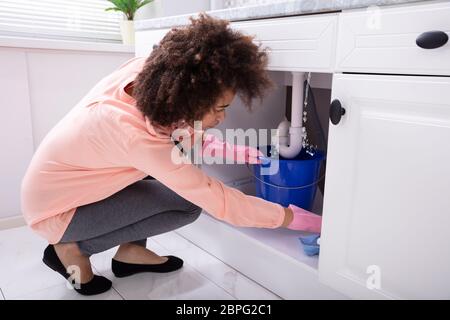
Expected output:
(213, 146)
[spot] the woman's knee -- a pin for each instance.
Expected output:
(193, 212)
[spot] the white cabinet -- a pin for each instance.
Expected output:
(293, 43)
(386, 206)
(16, 139)
(386, 213)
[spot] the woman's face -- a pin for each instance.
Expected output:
(217, 113)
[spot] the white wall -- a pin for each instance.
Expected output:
(58, 80)
(37, 87)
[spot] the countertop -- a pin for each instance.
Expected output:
(274, 9)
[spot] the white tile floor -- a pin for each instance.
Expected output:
(24, 276)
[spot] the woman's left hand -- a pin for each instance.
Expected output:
(213, 147)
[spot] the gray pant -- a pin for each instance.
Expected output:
(141, 210)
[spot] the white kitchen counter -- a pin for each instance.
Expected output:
(271, 10)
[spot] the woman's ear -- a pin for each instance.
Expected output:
(129, 88)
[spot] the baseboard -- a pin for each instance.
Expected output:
(11, 222)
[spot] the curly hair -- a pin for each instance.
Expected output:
(191, 67)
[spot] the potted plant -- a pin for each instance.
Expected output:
(128, 8)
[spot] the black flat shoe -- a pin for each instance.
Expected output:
(97, 285)
(123, 269)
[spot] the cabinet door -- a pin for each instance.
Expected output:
(386, 227)
(146, 39)
(383, 40)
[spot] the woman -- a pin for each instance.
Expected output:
(86, 190)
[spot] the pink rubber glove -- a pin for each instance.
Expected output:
(214, 147)
(304, 220)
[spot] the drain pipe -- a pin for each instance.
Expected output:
(283, 132)
(291, 147)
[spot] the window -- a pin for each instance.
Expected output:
(62, 19)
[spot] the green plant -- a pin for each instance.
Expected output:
(128, 7)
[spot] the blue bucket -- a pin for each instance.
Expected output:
(295, 182)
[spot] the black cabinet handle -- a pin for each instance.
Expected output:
(432, 39)
(336, 111)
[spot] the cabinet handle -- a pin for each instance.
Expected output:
(155, 46)
(432, 39)
(336, 111)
